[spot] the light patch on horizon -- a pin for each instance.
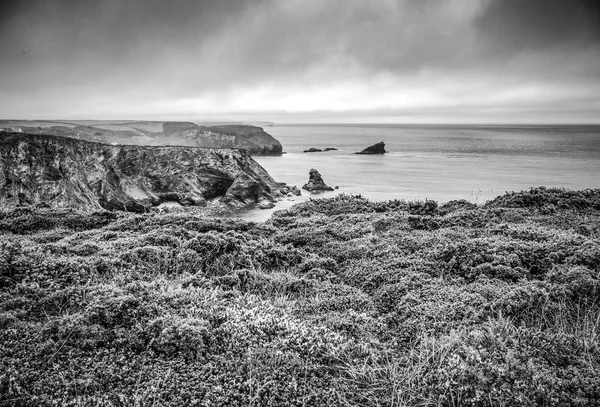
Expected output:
(428, 61)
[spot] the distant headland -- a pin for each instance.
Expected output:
(251, 138)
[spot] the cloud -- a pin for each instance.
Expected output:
(197, 58)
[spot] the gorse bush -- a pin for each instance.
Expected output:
(549, 199)
(339, 301)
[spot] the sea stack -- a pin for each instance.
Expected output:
(378, 148)
(315, 182)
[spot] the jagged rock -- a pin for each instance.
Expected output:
(330, 149)
(378, 148)
(65, 172)
(315, 182)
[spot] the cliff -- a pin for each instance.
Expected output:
(253, 139)
(250, 138)
(65, 172)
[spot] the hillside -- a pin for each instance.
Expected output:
(155, 133)
(334, 302)
(64, 172)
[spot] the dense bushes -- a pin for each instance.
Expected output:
(549, 200)
(338, 301)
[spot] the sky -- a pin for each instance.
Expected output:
(376, 61)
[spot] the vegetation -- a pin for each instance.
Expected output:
(336, 301)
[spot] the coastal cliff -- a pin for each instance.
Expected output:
(65, 172)
(252, 139)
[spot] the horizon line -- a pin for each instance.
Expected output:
(333, 123)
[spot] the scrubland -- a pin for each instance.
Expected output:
(334, 302)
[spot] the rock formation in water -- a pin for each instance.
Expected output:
(378, 148)
(64, 172)
(253, 139)
(315, 182)
(318, 150)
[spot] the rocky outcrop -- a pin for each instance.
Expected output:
(287, 190)
(318, 150)
(315, 182)
(253, 139)
(378, 148)
(64, 172)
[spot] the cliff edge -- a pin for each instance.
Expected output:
(65, 172)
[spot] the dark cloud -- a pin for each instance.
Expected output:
(517, 25)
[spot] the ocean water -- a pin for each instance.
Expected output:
(442, 163)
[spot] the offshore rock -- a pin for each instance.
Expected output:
(318, 150)
(378, 148)
(315, 182)
(64, 172)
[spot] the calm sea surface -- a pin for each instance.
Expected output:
(437, 162)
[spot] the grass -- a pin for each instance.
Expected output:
(339, 301)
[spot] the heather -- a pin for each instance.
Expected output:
(340, 301)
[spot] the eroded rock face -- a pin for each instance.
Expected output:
(315, 182)
(64, 172)
(378, 148)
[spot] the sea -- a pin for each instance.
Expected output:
(438, 162)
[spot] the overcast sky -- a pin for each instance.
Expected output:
(413, 61)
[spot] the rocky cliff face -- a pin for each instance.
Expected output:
(64, 172)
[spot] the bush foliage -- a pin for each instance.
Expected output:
(339, 301)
